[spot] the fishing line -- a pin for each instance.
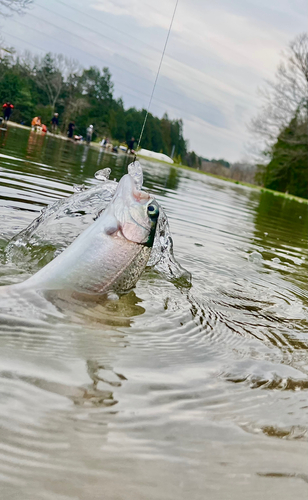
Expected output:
(161, 60)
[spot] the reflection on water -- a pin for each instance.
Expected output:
(285, 250)
(164, 392)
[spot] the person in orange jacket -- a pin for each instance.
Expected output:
(36, 122)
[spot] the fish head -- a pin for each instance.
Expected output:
(134, 212)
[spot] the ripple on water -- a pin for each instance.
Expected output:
(165, 377)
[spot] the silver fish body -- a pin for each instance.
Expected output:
(110, 254)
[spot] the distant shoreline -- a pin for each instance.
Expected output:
(240, 183)
(183, 167)
(26, 127)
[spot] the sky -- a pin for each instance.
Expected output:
(218, 55)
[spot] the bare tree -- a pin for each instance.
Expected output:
(73, 108)
(9, 7)
(282, 125)
(242, 171)
(51, 72)
(285, 98)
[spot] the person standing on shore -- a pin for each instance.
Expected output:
(71, 128)
(7, 110)
(55, 123)
(89, 133)
(130, 146)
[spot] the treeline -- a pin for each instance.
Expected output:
(221, 161)
(40, 86)
(239, 171)
(287, 170)
(283, 124)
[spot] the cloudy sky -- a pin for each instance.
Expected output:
(218, 54)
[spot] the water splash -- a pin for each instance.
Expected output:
(162, 257)
(79, 187)
(58, 226)
(60, 223)
(103, 175)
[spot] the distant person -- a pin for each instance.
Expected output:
(104, 142)
(44, 128)
(71, 128)
(130, 145)
(55, 122)
(36, 123)
(89, 133)
(7, 110)
(109, 147)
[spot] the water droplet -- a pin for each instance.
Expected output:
(276, 260)
(255, 257)
(103, 175)
(78, 188)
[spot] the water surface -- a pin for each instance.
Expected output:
(166, 392)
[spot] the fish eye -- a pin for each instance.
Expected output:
(153, 210)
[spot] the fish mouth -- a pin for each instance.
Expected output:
(129, 208)
(127, 189)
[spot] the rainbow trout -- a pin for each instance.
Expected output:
(109, 255)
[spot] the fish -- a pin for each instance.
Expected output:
(111, 254)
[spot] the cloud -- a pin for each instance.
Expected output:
(144, 14)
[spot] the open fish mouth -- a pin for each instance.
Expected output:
(132, 213)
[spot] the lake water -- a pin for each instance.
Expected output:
(167, 393)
